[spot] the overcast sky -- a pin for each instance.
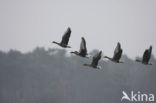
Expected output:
(26, 24)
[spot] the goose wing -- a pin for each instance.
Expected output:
(83, 49)
(145, 56)
(66, 36)
(149, 53)
(117, 52)
(96, 58)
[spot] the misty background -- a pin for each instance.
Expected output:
(26, 24)
(52, 76)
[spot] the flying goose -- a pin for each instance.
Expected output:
(65, 39)
(146, 56)
(83, 50)
(95, 61)
(117, 54)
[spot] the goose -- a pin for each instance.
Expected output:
(95, 61)
(146, 56)
(65, 39)
(117, 54)
(83, 50)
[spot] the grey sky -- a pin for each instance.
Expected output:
(25, 24)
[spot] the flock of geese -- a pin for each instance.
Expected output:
(95, 59)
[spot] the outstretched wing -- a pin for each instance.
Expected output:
(83, 49)
(66, 36)
(145, 56)
(96, 58)
(149, 53)
(117, 52)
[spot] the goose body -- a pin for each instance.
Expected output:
(146, 56)
(117, 54)
(95, 61)
(83, 50)
(65, 39)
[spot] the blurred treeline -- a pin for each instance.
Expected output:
(52, 76)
